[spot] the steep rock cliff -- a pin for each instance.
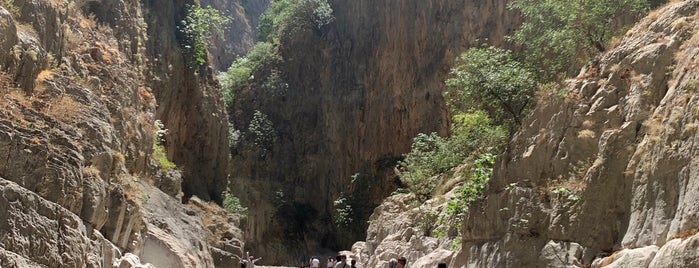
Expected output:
(359, 90)
(605, 166)
(240, 34)
(77, 133)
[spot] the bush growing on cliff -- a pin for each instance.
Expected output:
(560, 35)
(431, 155)
(291, 16)
(232, 204)
(238, 76)
(200, 27)
(491, 79)
(262, 131)
(471, 190)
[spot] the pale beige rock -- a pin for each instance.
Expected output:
(681, 252)
(175, 237)
(638, 257)
(621, 144)
(35, 231)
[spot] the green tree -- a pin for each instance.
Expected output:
(491, 79)
(291, 16)
(560, 35)
(262, 131)
(200, 27)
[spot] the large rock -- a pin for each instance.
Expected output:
(175, 237)
(35, 231)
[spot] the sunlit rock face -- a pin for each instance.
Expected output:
(609, 165)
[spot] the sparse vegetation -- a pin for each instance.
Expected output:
(470, 191)
(11, 7)
(232, 204)
(159, 153)
(238, 76)
(564, 192)
(199, 28)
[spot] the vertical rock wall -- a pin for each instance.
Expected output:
(359, 91)
(609, 169)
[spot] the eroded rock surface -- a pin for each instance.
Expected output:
(610, 166)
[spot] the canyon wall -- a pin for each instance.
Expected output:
(359, 90)
(82, 84)
(606, 169)
(603, 172)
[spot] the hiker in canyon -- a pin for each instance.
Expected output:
(315, 262)
(341, 262)
(392, 263)
(402, 261)
(249, 261)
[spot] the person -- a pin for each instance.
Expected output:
(392, 263)
(353, 263)
(331, 262)
(402, 262)
(249, 261)
(441, 265)
(341, 262)
(315, 262)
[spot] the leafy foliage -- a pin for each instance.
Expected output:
(262, 130)
(232, 204)
(559, 35)
(353, 206)
(159, 153)
(200, 27)
(470, 191)
(291, 16)
(431, 155)
(238, 76)
(492, 80)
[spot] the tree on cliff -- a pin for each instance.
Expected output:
(491, 79)
(558, 36)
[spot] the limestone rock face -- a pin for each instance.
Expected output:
(611, 165)
(400, 227)
(358, 91)
(174, 236)
(77, 113)
(36, 232)
(190, 103)
(240, 34)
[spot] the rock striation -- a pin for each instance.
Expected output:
(607, 167)
(359, 90)
(81, 85)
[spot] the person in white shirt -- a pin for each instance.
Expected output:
(315, 262)
(331, 262)
(341, 262)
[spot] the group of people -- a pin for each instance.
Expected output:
(340, 261)
(399, 263)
